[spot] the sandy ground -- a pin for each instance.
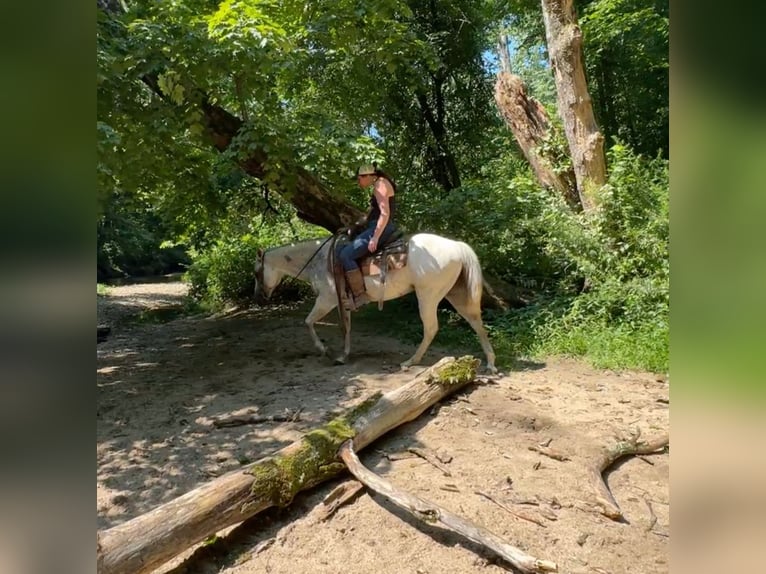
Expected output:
(160, 386)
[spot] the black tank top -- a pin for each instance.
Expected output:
(375, 208)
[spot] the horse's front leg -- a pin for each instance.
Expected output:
(346, 318)
(322, 306)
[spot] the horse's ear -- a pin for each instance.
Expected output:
(260, 253)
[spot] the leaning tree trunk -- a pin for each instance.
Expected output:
(315, 203)
(144, 543)
(531, 127)
(586, 143)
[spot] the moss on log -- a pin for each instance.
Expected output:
(142, 544)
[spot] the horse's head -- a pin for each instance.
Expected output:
(266, 277)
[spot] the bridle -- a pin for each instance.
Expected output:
(259, 272)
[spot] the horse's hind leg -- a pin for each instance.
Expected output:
(321, 307)
(471, 312)
(427, 303)
(430, 326)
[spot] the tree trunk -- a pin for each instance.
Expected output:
(144, 543)
(586, 143)
(314, 202)
(444, 167)
(531, 127)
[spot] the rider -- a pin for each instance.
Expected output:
(378, 227)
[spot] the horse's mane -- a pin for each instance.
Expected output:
(296, 244)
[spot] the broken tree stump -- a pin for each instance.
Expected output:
(145, 542)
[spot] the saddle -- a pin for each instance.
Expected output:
(391, 255)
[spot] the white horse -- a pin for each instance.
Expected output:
(436, 268)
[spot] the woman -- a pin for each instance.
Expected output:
(378, 227)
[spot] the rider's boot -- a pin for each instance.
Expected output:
(355, 281)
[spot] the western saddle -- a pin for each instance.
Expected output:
(391, 255)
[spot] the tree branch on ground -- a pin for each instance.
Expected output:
(604, 500)
(431, 513)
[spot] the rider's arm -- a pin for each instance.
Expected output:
(381, 194)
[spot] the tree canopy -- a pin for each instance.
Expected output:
(227, 125)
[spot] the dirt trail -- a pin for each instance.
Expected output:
(160, 386)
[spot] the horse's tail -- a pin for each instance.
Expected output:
(471, 275)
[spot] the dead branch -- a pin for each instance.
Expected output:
(431, 513)
(550, 453)
(428, 457)
(509, 509)
(652, 515)
(237, 421)
(340, 495)
(604, 500)
(547, 513)
(394, 456)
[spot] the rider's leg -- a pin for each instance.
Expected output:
(348, 256)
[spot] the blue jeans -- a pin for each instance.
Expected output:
(358, 246)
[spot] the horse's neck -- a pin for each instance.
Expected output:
(293, 259)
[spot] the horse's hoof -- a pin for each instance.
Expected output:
(405, 366)
(339, 361)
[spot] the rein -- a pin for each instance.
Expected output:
(259, 275)
(314, 255)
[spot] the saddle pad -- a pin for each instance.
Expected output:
(371, 265)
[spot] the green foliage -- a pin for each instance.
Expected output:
(623, 249)
(621, 318)
(223, 271)
(130, 238)
(626, 47)
(552, 327)
(327, 85)
(529, 237)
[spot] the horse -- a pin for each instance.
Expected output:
(437, 268)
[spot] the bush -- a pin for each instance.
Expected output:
(223, 272)
(498, 216)
(130, 240)
(529, 236)
(621, 319)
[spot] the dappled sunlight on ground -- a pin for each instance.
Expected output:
(161, 386)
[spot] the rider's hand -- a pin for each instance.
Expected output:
(372, 246)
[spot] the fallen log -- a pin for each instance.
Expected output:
(144, 543)
(432, 514)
